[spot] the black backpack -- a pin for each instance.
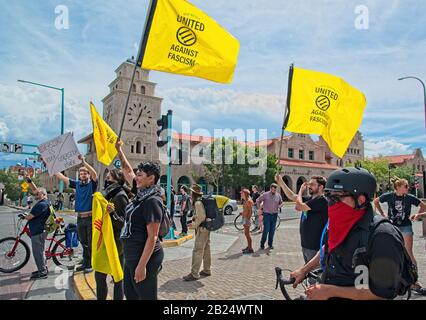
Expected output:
(214, 217)
(409, 273)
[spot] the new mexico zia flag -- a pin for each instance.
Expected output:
(320, 103)
(104, 138)
(104, 250)
(183, 39)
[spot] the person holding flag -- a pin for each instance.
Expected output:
(117, 198)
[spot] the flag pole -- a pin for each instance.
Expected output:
(141, 53)
(286, 114)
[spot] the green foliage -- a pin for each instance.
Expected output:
(383, 172)
(241, 166)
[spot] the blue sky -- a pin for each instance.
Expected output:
(314, 34)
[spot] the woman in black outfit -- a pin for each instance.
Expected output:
(143, 253)
(117, 194)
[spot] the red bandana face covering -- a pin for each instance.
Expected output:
(341, 220)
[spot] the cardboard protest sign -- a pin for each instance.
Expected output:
(60, 153)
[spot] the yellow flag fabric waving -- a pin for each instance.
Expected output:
(105, 257)
(104, 137)
(324, 104)
(183, 39)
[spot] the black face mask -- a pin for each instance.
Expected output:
(107, 184)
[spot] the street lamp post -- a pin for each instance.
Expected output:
(61, 184)
(424, 182)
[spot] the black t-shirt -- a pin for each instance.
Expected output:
(254, 196)
(185, 199)
(312, 222)
(399, 207)
(138, 216)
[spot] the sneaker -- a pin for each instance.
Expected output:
(245, 249)
(183, 234)
(88, 270)
(262, 247)
(189, 277)
(34, 273)
(39, 275)
(248, 251)
(271, 248)
(205, 274)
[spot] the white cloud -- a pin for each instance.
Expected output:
(4, 130)
(385, 148)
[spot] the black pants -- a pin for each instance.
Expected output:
(184, 222)
(101, 278)
(146, 289)
(84, 232)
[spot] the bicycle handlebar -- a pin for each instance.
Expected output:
(280, 279)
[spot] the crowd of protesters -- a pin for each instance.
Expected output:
(337, 208)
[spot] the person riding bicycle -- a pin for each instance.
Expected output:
(36, 223)
(379, 275)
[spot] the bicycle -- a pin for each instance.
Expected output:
(15, 252)
(286, 282)
(238, 223)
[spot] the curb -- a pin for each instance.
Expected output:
(84, 284)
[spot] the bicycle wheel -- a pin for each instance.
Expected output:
(286, 287)
(238, 223)
(13, 261)
(278, 223)
(66, 258)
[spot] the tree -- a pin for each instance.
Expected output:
(384, 171)
(241, 166)
(13, 185)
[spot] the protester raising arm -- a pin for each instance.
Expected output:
(300, 205)
(288, 192)
(125, 164)
(92, 172)
(63, 178)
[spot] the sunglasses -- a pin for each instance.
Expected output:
(335, 198)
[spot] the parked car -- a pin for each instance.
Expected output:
(227, 205)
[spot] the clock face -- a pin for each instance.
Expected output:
(139, 116)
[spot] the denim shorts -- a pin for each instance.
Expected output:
(406, 230)
(246, 222)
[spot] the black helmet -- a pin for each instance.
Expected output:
(356, 181)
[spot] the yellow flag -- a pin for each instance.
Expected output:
(324, 104)
(104, 138)
(183, 39)
(105, 257)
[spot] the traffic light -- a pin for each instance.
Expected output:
(17, 148)
(5, 147)
(163, 126)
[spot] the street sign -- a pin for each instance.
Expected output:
(5, 147)
(17, 148)
(24, 186)
(117, 164)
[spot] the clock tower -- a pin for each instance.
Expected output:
(140, 123)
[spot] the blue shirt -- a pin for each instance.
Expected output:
(40, 212)
(83, 194)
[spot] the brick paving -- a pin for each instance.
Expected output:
(237, 276)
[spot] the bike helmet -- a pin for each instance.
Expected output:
(355, 181)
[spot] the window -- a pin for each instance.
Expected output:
(134, 88)
(357, 151)
(201, 154)
(290, 153)
(301, 154)
(138, 147)
(311, 156)
(143, 90)
(144, 149)
(89, 148)
(418, 167)
(137, 75)
(132, 149)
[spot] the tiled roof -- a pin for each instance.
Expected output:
(308, 164)
(399, 159)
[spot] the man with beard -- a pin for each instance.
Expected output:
(314, 213)
(85, 187)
